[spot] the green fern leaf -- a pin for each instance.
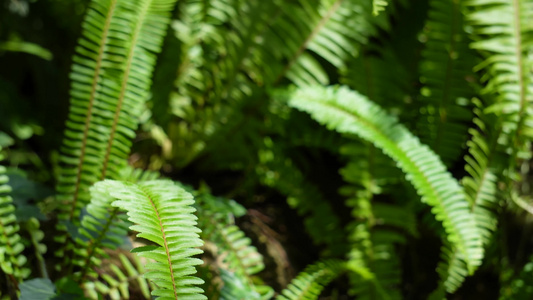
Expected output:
(502, 32)
(348, 112)
(310, 283)
(481, 192)
(162, 214)
(12, 260)
(110, 82)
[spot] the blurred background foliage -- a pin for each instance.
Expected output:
(210, 122)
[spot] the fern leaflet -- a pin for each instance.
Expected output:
(11, 258)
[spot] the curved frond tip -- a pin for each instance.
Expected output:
(346, 111)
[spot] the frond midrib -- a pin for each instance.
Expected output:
(124, 85)
(163, 236)
(90, 107)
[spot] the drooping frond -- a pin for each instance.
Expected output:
(235, 250)
(12, 260)
(481, 192)
(445, 70)
(482, 167)
(348, 112)
(310, 283)
(118, 282)
(503, 34)
(162, 214)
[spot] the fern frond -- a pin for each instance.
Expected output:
(110, 82)
(12, 260)
(146, 39)
(445, 70)
(162, 214)
(85, 134)
(348, 112)
(482, 167)
(481, 191)
(502, 31)
(310, 283)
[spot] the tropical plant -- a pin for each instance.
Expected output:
(231, 149)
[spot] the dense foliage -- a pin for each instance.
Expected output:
(251, 149)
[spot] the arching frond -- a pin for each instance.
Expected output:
(12, 260)
(483, 163)
(348, 112)
(310, 283)
(503, 33)
(162, 214)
